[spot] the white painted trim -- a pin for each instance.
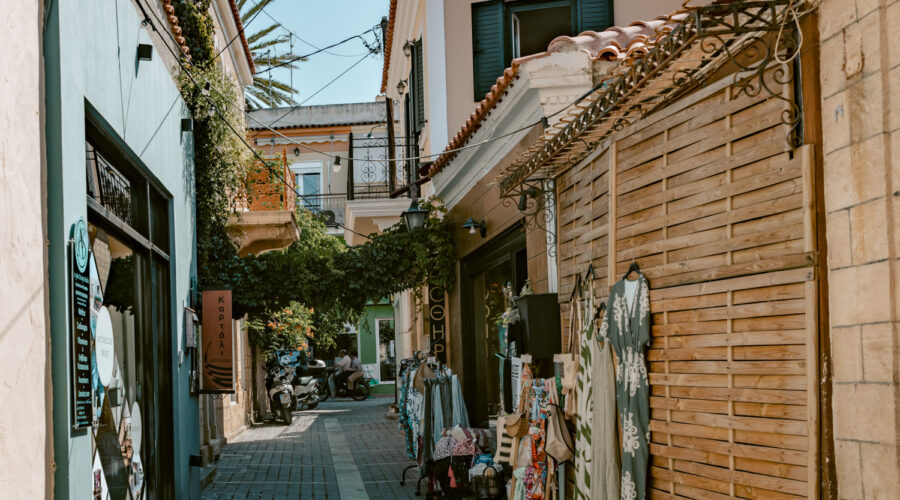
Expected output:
(552, 243)
(222, 10)
(308, 139)
(381, 207)
(378, 345)
(436, 75)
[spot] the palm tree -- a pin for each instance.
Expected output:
(267, 92)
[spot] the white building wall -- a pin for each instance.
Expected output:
(25, 443)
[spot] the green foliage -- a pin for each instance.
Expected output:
(290, 327)
(321, 272)
(198, 30)
(220, 161)
(318, 283)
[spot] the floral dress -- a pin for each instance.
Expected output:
(628, 320)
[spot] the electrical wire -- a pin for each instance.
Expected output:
(294, 108)
(291, 33)
(238, 134)
(239, 33)
(323, 49)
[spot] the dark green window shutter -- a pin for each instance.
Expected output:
(487, 45)
(419, 85)
(594, 15)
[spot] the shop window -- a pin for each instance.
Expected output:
(128, 225)
(387, 357)
(484, 275)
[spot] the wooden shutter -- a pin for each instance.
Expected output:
(418, 86)
(487, 45)
(594, 15)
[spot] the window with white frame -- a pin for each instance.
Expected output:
(387, 356)
(308, 180)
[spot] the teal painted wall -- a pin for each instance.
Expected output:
(90, 56)
(368, 339)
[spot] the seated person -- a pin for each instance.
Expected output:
(356, 372)
(343, 364)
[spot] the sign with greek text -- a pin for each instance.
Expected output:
(217, 345)
(82, 388)
(437, 321)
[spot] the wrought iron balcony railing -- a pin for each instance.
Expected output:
(329, 206)
(375, 169)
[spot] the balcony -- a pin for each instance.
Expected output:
(373, 172)
(264, 217)
(378, 181)
(330, 206)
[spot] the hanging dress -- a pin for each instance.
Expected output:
(584, 308)
(628, 320)
(605, 437)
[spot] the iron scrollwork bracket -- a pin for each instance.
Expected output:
(536, 200)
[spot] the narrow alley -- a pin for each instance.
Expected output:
(343, 449)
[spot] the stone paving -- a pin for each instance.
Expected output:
(343, 449)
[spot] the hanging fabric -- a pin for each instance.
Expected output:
(605, 453)
(583, 314)
(628, 330)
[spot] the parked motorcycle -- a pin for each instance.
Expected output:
(319, 371)
(280, 391)
(306, 390)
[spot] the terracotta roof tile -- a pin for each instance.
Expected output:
(618, 42)
(240, 27)
(388, 42)
(176, 29)
(611, 44)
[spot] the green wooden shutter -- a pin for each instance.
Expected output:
(487, 45)
(419, 85)
(594, 15)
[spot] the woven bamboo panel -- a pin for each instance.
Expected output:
(706, 199)
(718, 216)
(583, 228)
(709, 192)
(730, 363)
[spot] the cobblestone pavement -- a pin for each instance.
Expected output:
(341, 450)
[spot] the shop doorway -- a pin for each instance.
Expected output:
(484, 274)
(131, 324)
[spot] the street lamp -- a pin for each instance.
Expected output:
(401, 87)
(414, 218)
(407, 49)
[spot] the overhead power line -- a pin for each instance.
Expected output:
(235, 131)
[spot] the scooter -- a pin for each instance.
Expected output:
(359, 392)
(306, 389)
(281, 393)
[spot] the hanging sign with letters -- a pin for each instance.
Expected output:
(437, 317)
(217, 353)
(82, 353)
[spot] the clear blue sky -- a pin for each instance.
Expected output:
(322, 23)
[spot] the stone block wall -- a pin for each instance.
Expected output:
(860, 83)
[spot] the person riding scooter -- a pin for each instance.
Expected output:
(356, 372)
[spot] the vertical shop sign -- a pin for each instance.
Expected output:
(437, 315)
(217, 353)
(82, 389)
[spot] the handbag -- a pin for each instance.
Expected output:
(559, 443)
(517, 424)
(424, 371)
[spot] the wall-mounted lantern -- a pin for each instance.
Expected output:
(145, 52)
(472, 226)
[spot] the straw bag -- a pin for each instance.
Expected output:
(559, 440)
(517, 424)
